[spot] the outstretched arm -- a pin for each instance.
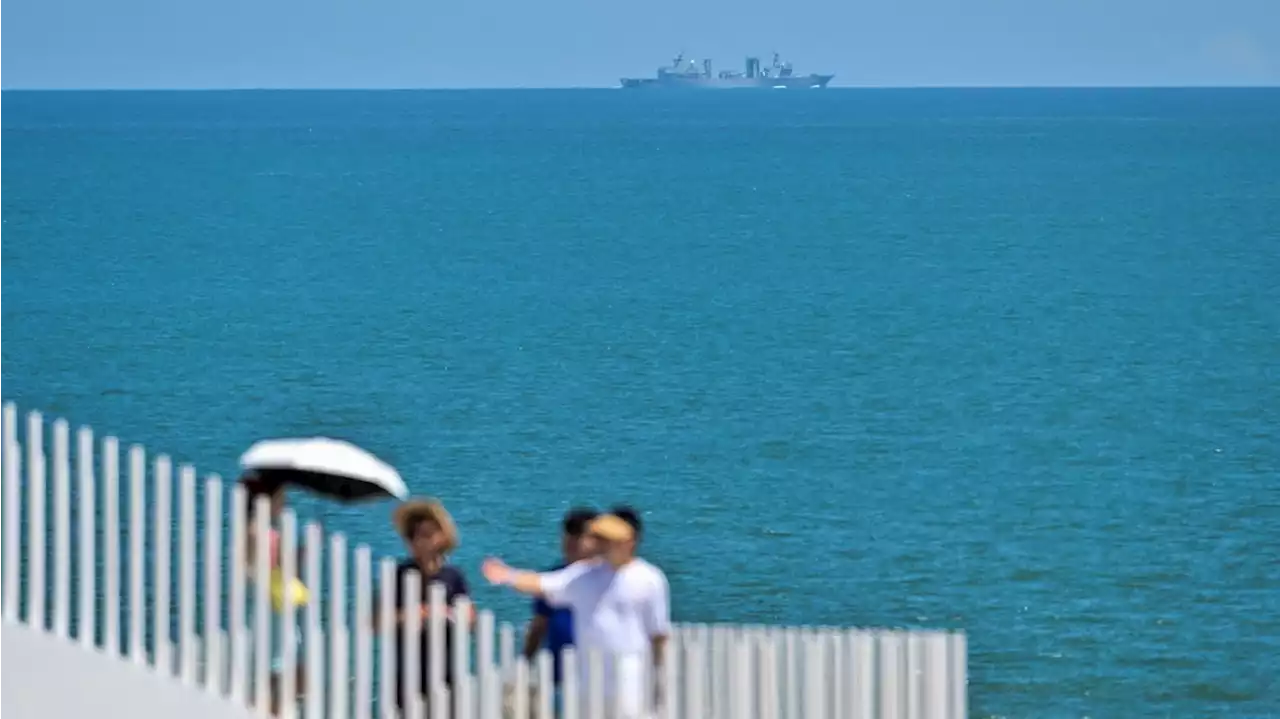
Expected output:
(555, 587)
(497, 572)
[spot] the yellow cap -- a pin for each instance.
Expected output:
(611, 527)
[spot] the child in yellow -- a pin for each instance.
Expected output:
(275, 493)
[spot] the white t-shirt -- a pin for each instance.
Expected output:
(616, 612)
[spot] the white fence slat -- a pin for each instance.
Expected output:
(10, 466)
(768, 679)
(137, 553)
(35, 521)
(339, 672)
(88, 541)
(520, 689)
(862, 658)
(237, 591)
(363, 698)
(214, 681)
(386, 636)
(595, 683)
(959, 676)
(61, 528)
(791, 687)
(891, 684)
(669, 684)
(615, 667)
(738, 675)
(287, 701)
(717, 692)
(187, 564)
(436, 619)
(915, 670)
(442, 698)
(814, 670)
(695, 678)
(486, 674)
(506, 651)
(545, 670)
(316, 687)
(838, 676)
(473, 686)
(571, 684)
(935, 675)
(111, 537)
(411, 625)
(261, 598)
(461, 659)
(162, 564)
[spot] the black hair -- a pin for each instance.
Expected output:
(628, 514)
(576, 520)
(256, 486)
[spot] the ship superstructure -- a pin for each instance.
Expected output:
(684, 73)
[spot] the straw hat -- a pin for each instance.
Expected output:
(413, 510)
(612, 528)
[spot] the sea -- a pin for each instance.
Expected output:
(1005, 361)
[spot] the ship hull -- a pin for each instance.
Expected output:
(794, 82)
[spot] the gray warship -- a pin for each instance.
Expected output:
(687, 74)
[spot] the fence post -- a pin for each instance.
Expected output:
(137, 553)
(12, 513)
(111, 535)
(35, 521)
(364, 636)
(61, 529)
(88, 538)
(215, 650)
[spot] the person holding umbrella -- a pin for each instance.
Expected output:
(430, 535)
(331, 468)
(255, 487)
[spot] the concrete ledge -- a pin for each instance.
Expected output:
(46, 677)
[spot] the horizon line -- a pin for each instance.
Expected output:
(284, 88)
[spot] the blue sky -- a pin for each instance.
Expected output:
(559, 43)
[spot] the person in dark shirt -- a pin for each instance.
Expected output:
(552, 627)
(430, 535)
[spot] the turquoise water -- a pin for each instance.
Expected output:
(996, 360)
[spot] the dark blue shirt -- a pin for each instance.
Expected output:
(455, 585)
(559, 627)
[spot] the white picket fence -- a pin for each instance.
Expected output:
(710, 672)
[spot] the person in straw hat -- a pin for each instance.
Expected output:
(430, 535)
(621, 609)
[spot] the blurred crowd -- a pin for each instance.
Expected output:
(599, 597)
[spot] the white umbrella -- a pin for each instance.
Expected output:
(326, 466)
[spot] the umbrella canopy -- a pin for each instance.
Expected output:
(326, 466)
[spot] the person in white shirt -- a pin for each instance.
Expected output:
(621, 609)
